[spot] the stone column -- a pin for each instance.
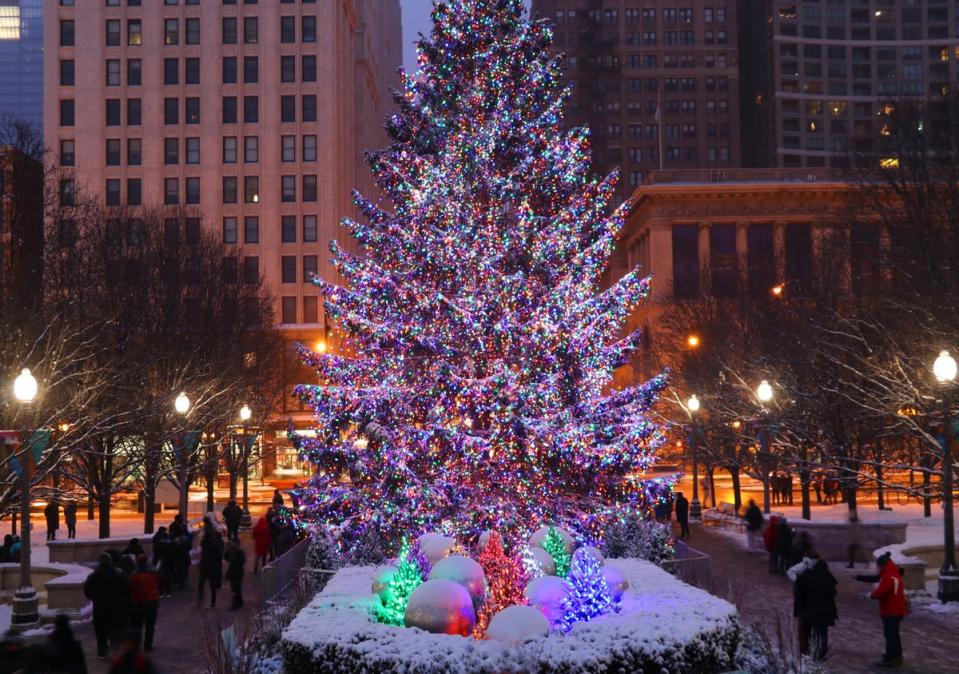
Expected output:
(742, 254)
(779, 249)
(704, 280)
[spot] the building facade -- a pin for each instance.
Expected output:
(21, 227)
(656, 81)
(252, 115)
(21, 60)
(820, 77)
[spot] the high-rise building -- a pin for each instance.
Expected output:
(252, 115)
(656, 81)
(819, 78)
(21, 60)
(21, 226)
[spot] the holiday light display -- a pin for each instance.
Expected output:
(474, 390)
(506, 580)
(556, 547)
(394, 597)
(589, 595)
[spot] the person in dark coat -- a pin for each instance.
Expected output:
(682, 514)
(277, 498)
(5, 549)
(235, 560)
(110, 593)
(64, 652)
(262, 542)
(784, 546)
(133, 548)
(70, 518)
(163, 560)
(815, 606)
(211, 562)
(52, 515)
(232, 515)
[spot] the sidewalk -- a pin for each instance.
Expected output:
(855, 643)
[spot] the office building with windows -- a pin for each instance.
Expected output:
(21, 60)
(820, 77)
(656, 81)
(251, 115)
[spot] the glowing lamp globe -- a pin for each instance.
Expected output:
(944, 368)
(25, 386)
(764, 391)
(693, 404)
(245, 413)
(181, 404)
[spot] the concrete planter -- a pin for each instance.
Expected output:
(831, 539)
(60, 584)
(82, 551)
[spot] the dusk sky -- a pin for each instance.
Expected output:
(416, 19)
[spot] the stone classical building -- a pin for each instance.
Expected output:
(252, 115)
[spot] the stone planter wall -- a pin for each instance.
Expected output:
(831, 539)
(85, 551)
(61, 584)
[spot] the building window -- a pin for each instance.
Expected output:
(67, 73)
(134, 112)
(67, 33)
(134, 192)
(309, 268)
(193, 31)
(171, 71)
(171, 191)
(685, 239)
(113, 112)
(68, 192)
(309, 108)
(229, 230)
(171, 32)
(67, 112)
(171, 111)
(309, 148)
(251, 270)
(229, 270)
(192, 110)
(229, 189)
(113, 153)
(68, 155)
(193, 190)
(251, 229)
(171, 151)
(229, 70)
(251, 109)
(288, 69)
(288, 229)
(251, 149)
(309, 69)
(288, 29)
(722, 260)
(192, 70)
(229, 150)
(287, 108)
(229, 109)
(229, 30)
(192, 228)
(288, 269)
(251, 189)
(288, 310)
(134, 72)
(113, 33)
(308, 31)
(113, 192)
(310, 310)
(251, 70)
(288, 192)
(192, 150)
(309, 228)
(309, 188)
(288, 148)
(113, 72)
(134, 152)
(250, 30)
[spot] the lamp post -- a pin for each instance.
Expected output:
(245, 414)
(692, 408)
(944, 369)
(183, 445)
(26, 609)
(764, 393)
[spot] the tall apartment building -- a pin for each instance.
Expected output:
(657, 81)
(819, 76)
(21, 60)
(254, 115)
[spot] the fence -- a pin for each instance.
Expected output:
(285, 569)
(690, 566)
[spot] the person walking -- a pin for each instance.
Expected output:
(815, 606)
(144, 602)
(277, 498)
(211, 562)
(232, 515)
(235, 561)
(682, 514)
(784, 546)
(52, 514)
(890, 592)
(262, 543)
(769, 541)
(110, 593)
(64, 652)
(754, 524)
(130, 659)
(164, 560)
(134, 549)
(70, 518)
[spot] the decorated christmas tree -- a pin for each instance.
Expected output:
(506, 577)
(589, 595)
(556, 547)
(392, 607)
(473, 391)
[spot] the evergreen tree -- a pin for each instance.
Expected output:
(506, 580)
(589, 595)
(556, 547)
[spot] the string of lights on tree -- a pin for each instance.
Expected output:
(474, 389)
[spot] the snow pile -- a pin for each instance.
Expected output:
(662, 625)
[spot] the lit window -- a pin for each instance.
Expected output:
(9, 22)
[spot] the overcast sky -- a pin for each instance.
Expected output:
(416, 19)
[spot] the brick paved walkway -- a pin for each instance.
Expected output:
(855, 643)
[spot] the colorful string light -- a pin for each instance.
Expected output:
(506, 579)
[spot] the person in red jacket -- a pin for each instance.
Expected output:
(144, 601)
(261, 543)
(892, 608)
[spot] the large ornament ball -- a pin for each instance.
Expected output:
(381, 582)
(462, 570)
(594, 553)
(547, 593)
(616, 582)
(544, 560)
(441, 606)
(435, 546)
(536, 540)
(515, 624)
(483, 540)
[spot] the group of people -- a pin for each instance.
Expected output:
(781, 488)
(10, 550)
(51, 514)
(171, 555)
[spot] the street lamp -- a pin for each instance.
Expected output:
(245, 415)
(764, 393)
(944, 369)
(181, 404)
(692, 407)
(184, 444)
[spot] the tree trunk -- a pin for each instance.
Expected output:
(149, 503)
(880, 494)
(926, 494)
(91, 506)
(183, 483)
(804, 479)
(711, 472)
(737, 492)
(851, 493)
(234, 475)
(210, 484)
(103, 511)
(766, 508)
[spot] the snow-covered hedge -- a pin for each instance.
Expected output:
(663, 625)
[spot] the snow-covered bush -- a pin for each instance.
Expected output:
(323, 555)
(662, 625)
(634, 537)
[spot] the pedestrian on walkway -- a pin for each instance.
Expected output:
(211, 562)
(144, 602)
(130, 659)
(70, 518)
(815, 606)
(754, 524)
(769, 541)
(52, 514)
(5, 549)
(784, 546)
(682, 514)
(64, 652)
(232, 515)
(277, 498)
(892, 607)
(854, 547)
(134, 549)
(235, 561)
(164, 560)
(110, 593)
(262, 543)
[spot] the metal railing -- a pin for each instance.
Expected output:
(690, 566)
(284, 570)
